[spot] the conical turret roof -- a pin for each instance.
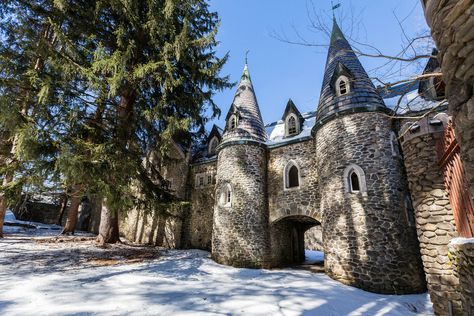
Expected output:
(245, 108)
(342, 60)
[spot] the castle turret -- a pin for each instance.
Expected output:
(368, 229)
(240, 229)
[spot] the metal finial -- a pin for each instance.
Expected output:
(334, 7)
(246, 56)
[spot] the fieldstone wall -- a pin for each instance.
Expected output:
(368, 240)
(153, 229)
(199, 221)
(452, 24)
(302, 200)
(434, 217)
(461, 253)
(240, 232)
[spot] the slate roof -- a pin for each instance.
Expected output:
(250, 124)
(342, 59)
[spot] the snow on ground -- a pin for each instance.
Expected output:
(40, 278)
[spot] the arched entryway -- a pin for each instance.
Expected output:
(288, 239)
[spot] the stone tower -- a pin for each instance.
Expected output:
(368, 230)
(240, 235)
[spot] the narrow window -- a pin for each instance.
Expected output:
(355, 185)
(212, 146)
(342, 87)
(232, 122)
(201, 181)
(293, 177)
(292, 128)
(225, 197)
(229, 197)
(209, 179)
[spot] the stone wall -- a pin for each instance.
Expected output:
(153, 229)
(199, 221)
(41, 212)
(434, 217)
(461, 254)
(452, 24)
(302, 200)
(368, 240)
(240, 230)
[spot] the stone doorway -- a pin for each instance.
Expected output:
(288, 239)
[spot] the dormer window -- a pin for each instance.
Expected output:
(342, 86)
(212, 146)
(232, 122)
(292, 125)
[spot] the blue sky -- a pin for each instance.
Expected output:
(279, 70)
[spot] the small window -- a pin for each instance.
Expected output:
(225, 197)
(291, 176)
(232, 122)
(201, 181)
(355, 185)
(342, 86)
(209, 179)
(354, 180)
(292, 126)
(212, 146)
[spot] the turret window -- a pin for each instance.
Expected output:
(232, 122)
(355, 185)
(342, 86)
(291, 176)
(225, 197)
(354, 180)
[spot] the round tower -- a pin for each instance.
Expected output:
(240, 234)
(368, 230)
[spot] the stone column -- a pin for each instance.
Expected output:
(434, 217)
(461, 253)
(452, 28)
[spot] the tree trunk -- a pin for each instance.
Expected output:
(109, 226)
(71, 221)
(65, 199)
(3, 205)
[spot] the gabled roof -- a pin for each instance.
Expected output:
(341, 58)
(214, 133)
(291, 108)
(250, 124)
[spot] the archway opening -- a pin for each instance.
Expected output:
(293, 240)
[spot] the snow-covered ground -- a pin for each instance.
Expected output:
(61, 278)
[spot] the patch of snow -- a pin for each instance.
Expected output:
(38, 279)
(313, 256)
(276, 131)
(10, 217)
(462, 241)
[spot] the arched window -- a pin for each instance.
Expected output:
(291, 125)
(232, 122)
(355, 185)
(225, 196)
(354, 180)
(292, 176)
(342, 86)
(212, 146)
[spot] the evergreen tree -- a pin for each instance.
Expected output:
(123, 78)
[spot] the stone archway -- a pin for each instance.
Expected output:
(288, 239)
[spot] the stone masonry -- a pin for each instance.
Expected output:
(461, 254)
(368, 242)
(452, 24)
(434, 217)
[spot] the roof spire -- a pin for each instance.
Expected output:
(342, 61)
(246, 74)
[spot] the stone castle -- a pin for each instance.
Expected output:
(255, 190)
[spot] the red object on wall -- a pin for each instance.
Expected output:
(455, 182)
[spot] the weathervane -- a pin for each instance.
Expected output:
(246, 55)
(334, 7)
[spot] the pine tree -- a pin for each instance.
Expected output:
(124, 78)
